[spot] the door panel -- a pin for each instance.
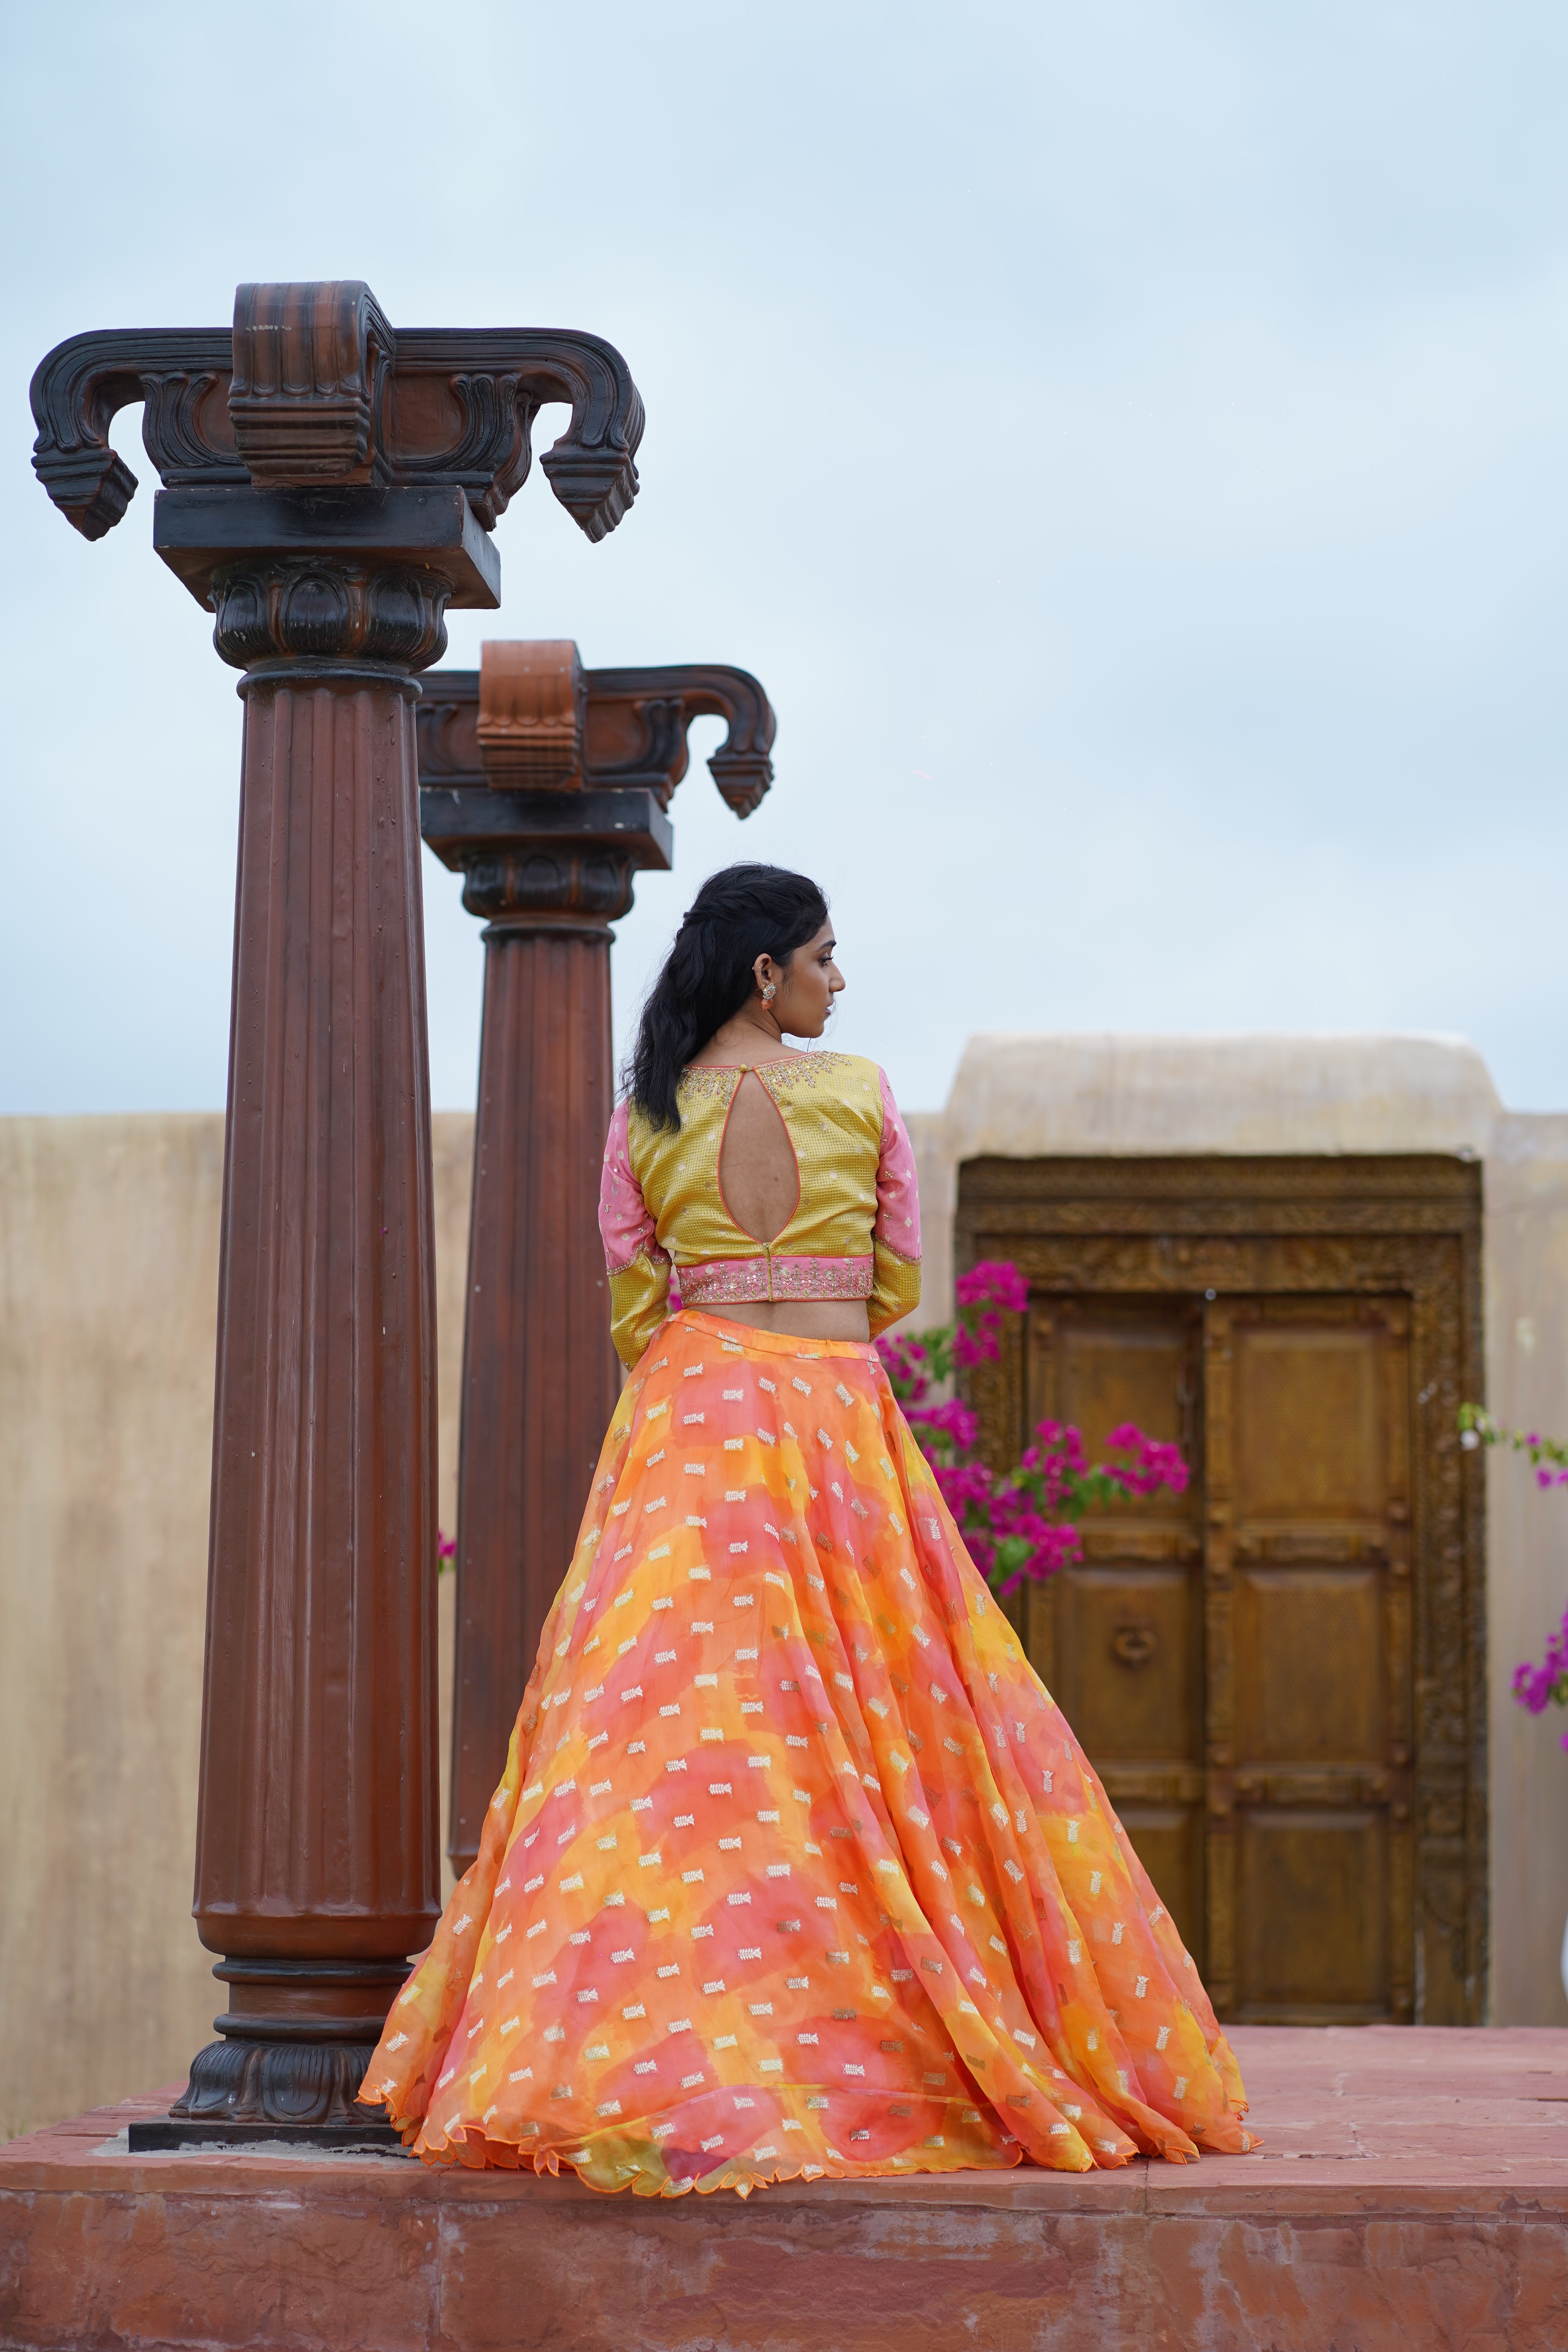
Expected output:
(1119, 1638)
(1312, 1913)
(1308, 1428)
(1236, 1660)
(1311, 1673)
(1308, 1661)
(1133, 1637)
(1116, 1368)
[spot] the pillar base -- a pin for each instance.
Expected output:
(291, 2085)
(297, 2038)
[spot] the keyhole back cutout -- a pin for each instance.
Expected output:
(759, 1175)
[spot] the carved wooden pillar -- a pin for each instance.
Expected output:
(304, 507)
(546, 787)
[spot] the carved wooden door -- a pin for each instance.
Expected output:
(1237, 1661)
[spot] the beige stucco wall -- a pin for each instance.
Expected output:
(1027, 1096)
(1526, 1303)
(1030, 1096)
(109, 1232)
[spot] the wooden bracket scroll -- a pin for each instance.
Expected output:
(311, 387)
(632, 724)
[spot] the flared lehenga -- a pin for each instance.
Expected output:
(795, 1868)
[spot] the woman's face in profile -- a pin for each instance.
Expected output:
(807, 985)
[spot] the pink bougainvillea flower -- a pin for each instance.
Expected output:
(955, 1420)
(1540, 1686)
(1546, 1684)
(1019, 1525)
(994, 1282)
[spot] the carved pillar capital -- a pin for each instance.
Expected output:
(546, 785)
(535, 888)
(627, 727)
(312, 611)
(309, 399)
(539, 860)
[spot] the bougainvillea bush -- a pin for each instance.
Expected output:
(1536, 1687)
(1018, 1524)
(1546, 1684)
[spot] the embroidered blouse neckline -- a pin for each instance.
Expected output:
(774, 1062)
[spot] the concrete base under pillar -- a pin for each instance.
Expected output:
(1413, 2195)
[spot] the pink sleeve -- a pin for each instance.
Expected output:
(897, 1224)
(625, 1224)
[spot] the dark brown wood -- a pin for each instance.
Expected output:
(539, 1376)
(633, 726)
(1309, 1666)
(329, 491)
(546, 785)
(1119, 1638)
(439, 409)
(1295, 1725)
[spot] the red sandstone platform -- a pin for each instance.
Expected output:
(1414, 2194)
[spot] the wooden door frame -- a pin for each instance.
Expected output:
(1406, 1223)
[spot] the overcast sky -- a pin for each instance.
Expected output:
(1129, 443)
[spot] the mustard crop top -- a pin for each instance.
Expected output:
(855, 1232)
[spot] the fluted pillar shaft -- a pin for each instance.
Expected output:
(540, 1375)
(317, 1847)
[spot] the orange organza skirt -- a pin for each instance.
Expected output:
(795, 1868)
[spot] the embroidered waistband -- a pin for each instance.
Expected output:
(752, 1279)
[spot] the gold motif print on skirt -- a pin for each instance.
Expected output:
(795, 1868)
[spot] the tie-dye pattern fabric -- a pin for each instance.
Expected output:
(795, 1868)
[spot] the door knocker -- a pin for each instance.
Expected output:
(1133, 1645)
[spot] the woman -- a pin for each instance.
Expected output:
(795, 1868)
